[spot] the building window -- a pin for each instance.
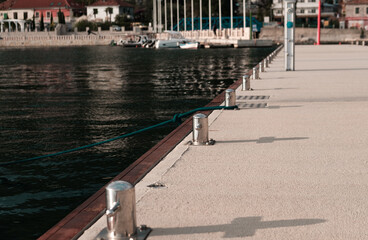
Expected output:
(311, 0)
(279, 1)
(37, 14)
(25, 15)
(357, 10)
(366, 10)
(48, 15)
(15, 15)
(301, 1)
(278, 11)
(301, 10)
(313, 11)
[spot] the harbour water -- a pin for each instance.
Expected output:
(53, 99)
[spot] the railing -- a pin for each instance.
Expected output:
(236, 33)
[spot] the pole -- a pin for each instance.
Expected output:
(244, 17)
(200, 15)
(319, 23)
(250, 21)
(231, 17)
(220, 18)
(171, 17)
(177, 16)
(154, 16)
(192, 8)
(209, 15)
(159, 16)
(185, 15)
(165, 15)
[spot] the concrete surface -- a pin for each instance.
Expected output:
(292, 163)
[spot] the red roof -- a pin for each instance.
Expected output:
(6, 5)
(32, 4)
(356, 2)
(111, 3)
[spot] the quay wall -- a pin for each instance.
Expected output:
(41, 39)
(309, 35)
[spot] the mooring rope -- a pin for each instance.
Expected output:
(176, 119)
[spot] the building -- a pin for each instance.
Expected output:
(356, 14)
(307, 12)
(27, 10)
(107, 10)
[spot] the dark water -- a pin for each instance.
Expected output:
(52, 99)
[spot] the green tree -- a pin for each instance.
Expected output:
(95, 12)
(42, 24)
(108, 11)
(61, 17)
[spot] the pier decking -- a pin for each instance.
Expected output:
(292, 163)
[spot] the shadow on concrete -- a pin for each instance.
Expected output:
(332, 69)
(239, 227)
(278, 107)
(264, 140)
(272, 89)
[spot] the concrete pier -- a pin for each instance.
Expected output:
(290, 164)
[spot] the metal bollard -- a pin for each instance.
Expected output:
(200, 129)
(121, 213)
(230, 98)
(246, 83)
(264, 64)
(261, 67)
(255, 73)
(267, 61)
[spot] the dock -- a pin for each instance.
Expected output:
(291, 163)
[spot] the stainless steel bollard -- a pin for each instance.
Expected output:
(264, 64)
(230, 98)
(261, 67)
(267, 61)
(255, 73)
(121, 215)
(200, 129)
(246, 83)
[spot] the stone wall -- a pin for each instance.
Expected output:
(40, 39)
(309, 35)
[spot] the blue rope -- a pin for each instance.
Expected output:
(176, 119)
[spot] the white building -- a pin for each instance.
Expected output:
(99, 11)
(306, 11)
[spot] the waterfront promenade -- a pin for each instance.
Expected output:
(292, 163)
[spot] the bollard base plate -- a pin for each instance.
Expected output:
(210, 142)
(142, 234)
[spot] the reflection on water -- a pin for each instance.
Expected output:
(59, 98)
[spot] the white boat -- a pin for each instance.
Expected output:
(189, 45)
(170, 39)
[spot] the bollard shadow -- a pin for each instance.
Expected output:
(272, 89)
(278, 107)
(332, 69)
(239, 227)
(263, 105)
(264, 140)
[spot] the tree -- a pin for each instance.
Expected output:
(61, 17)
(42, 24)
(108, 11)
(95, 12)
(52, 22)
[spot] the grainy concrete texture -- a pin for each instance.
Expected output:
(292, 163)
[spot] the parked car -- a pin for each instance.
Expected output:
(116, 28)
